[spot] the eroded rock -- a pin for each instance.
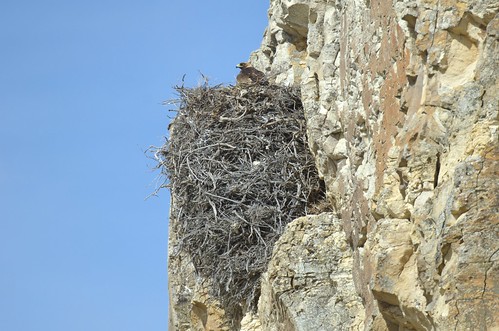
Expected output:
(402, 107)
(309, 284)
(401, 100)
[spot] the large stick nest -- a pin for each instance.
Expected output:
(239, 170)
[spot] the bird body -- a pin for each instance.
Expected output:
(249, 75)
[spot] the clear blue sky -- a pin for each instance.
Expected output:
(81, 86)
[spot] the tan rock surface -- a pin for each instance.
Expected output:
(190, 306)
(309, 284)
(402, 105)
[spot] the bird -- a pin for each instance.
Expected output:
(249, 75)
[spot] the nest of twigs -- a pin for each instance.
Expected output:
(239, 170)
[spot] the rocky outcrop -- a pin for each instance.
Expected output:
(309, 283)
(191, 307)
(402, 105)
(402, 101)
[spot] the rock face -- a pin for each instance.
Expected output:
(309, 283)
(402, 107)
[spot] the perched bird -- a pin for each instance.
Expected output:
(249, 75)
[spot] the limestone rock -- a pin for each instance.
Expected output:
(402, 107)
(309, 284)
(191, 308)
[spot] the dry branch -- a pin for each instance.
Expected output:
(239, 170)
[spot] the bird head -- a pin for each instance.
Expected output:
(243, 65)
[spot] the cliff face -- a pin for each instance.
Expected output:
(402, 106)
(401, 100)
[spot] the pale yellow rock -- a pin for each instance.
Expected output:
(309, 285)
(251, 322)
(411, 90)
